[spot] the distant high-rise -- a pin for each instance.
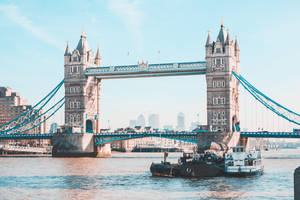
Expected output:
(53, 127)
(180, 122)
(132, 123)
(154, 120)
(141, 120)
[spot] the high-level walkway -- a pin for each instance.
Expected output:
(147, 70)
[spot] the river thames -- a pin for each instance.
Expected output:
(127, 176)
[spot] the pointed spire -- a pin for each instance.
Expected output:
(227, 38)
(98, 57)
(236, 45)
(82, 45)
(208, 41)
(83, 34)
(98, 53)
(67, 52)
(221, 36)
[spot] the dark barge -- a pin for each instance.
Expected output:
(206, 164)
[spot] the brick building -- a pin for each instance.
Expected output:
(13, 105)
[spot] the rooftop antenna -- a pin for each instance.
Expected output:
(158, 57)
(222, 22)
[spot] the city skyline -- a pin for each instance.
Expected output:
(39, 42)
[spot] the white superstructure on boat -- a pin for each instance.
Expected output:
(243, 163)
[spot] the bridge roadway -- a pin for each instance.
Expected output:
(147, 70)
(102, 138)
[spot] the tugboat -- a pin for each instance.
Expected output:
(243, 163)
(206, 164)
(164, 169)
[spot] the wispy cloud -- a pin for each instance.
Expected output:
(132, 16)
(13, 13)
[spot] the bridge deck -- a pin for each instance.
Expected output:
(145, 70)
(267, 134)
(186, 136)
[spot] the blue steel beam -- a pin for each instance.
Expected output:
(25, 136)
(266, 134)
(186, 136)
(111, 137)
(145, 70)
(264, 100)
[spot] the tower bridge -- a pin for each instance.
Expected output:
(83, 74)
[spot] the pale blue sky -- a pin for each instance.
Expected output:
(34, 34)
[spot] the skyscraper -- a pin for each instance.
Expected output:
(141, 120)
(153, 120)
(53, 127)
(180, 122)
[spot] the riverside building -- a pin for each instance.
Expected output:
(13, 105)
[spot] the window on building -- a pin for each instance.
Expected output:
(214, 84)
(215, 100)
(78, 117)
(215, 115)
(218, 61)
(218, 50)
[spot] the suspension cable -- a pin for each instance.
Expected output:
(268, 98)
(257, 97)
(20, 132)
(37, 111)
(38, 117)
(58, 86)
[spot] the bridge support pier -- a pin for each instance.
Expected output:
(77, 145)
(103, 151)
(219, 141)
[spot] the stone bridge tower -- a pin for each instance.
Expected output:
(82, 106)
(222, 57)
(82, 93)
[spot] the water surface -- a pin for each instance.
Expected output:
(127, 176)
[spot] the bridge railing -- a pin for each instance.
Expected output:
(267, 134)
(164, 67)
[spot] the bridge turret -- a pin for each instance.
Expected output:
(67, 54)
(229, 47)
(209, 45)
(98, 58)
(82, 93)
(237, 49)
(222, 89)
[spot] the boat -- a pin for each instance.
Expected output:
(164, 169)
(206, 164)
(243, 163)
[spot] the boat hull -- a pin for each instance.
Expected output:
(245, 174)
(164, 170)
(201, 170)
(191, 169)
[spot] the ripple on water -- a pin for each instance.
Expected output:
(128, 177)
